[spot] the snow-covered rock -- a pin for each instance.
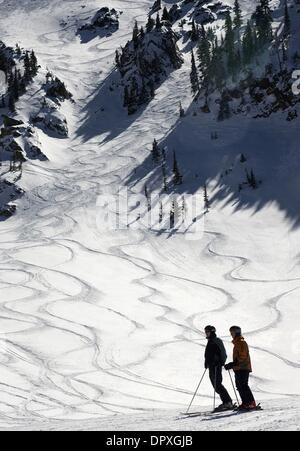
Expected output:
(204, 11)
(6, 57)
(21, 140)
(107, 18)
(50, 118)
(56, 89)
(145, 63)
(9, 192)
(105, 21)
(203, 15)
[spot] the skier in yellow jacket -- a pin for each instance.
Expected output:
(242, 368)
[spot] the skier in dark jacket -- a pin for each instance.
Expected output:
(242, 368)
(215, 359)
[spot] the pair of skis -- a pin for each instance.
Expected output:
(257, 408)
(234, 410)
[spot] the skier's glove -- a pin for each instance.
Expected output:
(229, 366)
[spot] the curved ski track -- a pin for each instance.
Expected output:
(40, 384)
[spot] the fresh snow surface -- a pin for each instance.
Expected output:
(280, 415)
(103, 329)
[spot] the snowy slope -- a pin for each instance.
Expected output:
(279, 416)
(97, 322)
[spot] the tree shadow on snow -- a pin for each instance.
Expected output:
(210, 150)
(105, 114)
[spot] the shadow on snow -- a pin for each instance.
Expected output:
(269, 145)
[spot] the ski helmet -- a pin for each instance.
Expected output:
(211, 329)
(237, 330)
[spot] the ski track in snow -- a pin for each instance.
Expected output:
(59, 360)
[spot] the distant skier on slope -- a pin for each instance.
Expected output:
(242, 368)
(215, 359)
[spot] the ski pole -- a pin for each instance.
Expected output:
(233, 387)
(215, 386)
(196, 391)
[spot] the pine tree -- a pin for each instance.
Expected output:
(165, 15)
(117, 59)
(229, 34)
(248, 44)
(148, 198)
(263, 21)
(177, 177)
(33, 64)
(229, 44)
(172, 216)
(181, 110)
(194, 32)
(206, 200)
(161, 212)
(18, 51)
(252, 179)
(158, 23)
(16, 86)
(243, 159)
(287, 20)
(133, 98)
(204, 55)
(217, 71)
(27, 68)
(135, 34)
(150, 24)
(164, 176)
(183, 209)
(49, 77)
(194, 76)
(237, 21)
(211, 36)
(155, 152)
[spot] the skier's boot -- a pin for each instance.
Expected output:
(251, 406)
(254, 406)
(224, 407)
